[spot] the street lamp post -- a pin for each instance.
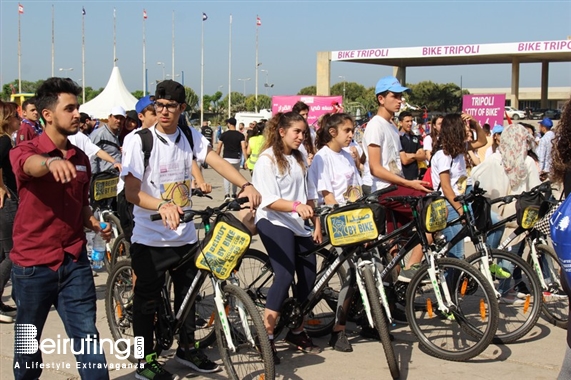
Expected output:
(344, 81)
(162, 64)
(244, 80)
(65, 70)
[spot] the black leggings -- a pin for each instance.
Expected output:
(286, 256)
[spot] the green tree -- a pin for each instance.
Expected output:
(192, 100)
(138, 94)
(310, 90)
(238, 103)
(353, 91)
(27, 87)
(90, 93)
(436, 97)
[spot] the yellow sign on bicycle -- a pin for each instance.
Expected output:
(221, 253)
(351, 226)
(105, 188)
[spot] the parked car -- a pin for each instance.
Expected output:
(513, 113)
(540, 113)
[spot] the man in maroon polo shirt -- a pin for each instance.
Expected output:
(50, 260)
(30, 126)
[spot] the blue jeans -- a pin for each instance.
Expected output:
(493, 239)
(72, 291)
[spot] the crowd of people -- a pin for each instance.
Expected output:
(46, 169)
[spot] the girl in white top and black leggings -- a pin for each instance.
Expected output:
(337, 181)
(280, 175)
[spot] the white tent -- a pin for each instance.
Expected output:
(114, 94)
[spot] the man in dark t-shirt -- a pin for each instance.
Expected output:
(234, 145)
(411, 146)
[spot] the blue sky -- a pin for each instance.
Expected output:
(291, 34)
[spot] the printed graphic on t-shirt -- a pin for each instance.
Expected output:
(175, 183)
(353, 193)
(462, 183)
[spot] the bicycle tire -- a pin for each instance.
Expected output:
(555, 309)
(118, 297)
(380, 321)
(247, 362)
(516, 318)
(121, 250)
(471, 324)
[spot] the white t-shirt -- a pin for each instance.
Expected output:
(384, 134)
(168, 176)
(427, 143)
(121, 183)
(84, 143)
(490, 151)
(293, 185)
(456, 167)
(336, 173)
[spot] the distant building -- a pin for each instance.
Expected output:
(530, 96)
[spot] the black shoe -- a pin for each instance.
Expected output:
(340, 342)
(302, 342)
(399, 316)
(196, 360)
(152, 370)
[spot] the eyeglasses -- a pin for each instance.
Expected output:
(171, 107)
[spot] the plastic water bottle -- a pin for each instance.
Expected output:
(99, 249)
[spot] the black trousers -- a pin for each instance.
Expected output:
(150, 265)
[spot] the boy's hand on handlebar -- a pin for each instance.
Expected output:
(420, 185)
(254, 198)
(206, 188)
(170, 214)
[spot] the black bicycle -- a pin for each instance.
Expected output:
(240, 333)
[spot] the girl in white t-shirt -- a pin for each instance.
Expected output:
(449, 172)
(280, 175)
(337, 181)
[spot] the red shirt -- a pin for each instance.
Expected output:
(49, 220)
(26, 132)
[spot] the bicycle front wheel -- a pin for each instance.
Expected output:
(248, 360)
(380, 321)
(520, 293)
(119, 305)
(469, 325)
(555, 306)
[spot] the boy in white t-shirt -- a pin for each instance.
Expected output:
(163, 186)
(382, 146)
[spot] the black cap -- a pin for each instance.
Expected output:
(83, 117)
(133, 115)
(170, 90)
(231, 121)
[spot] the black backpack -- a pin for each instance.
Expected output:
(147, 141)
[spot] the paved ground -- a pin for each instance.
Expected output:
(537, 356)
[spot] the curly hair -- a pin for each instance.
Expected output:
(452, 136)
(274, 140)
(561, 151)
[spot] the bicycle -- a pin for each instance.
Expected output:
(475, 326)
(543, 259)
(518, 315)
(242, 339)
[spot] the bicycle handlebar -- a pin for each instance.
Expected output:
(188, 215)
(410, 199)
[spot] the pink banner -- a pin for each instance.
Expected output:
(318, 105)
(485, 108)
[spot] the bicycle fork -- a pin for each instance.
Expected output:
(380, 287)
(223, 315)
